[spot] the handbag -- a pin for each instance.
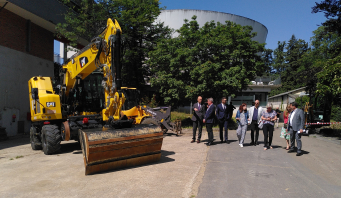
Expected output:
(260, 124)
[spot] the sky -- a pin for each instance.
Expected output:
(283, 18)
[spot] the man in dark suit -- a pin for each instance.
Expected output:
(198, 116)
(295, 127)
(209, 120)
(223, 116)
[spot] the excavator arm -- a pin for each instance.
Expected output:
(103, 54)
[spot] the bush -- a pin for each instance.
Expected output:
(336, 113)
(233, 124)
(149, 102)
(184, 117)
(301, 101)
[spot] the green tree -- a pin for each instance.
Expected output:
(329, 79)
(214, 60)
(324, 45)
(332, 11)
(287, 64)
(137, 19)
(279, 57)
(267, 59)
(329, 74)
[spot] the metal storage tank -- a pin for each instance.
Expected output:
(175, 19)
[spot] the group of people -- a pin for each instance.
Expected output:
(257, 117)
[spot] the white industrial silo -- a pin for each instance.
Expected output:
(175, 19)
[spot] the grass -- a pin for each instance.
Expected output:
(11, 159)
(19, 156)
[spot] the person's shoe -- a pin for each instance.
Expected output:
(227, 142)
(208, 143)
(252, 143)
(298, 154)
(255, 144)
(241, 145)
(192, 141)
(221, 141)
(198, 141)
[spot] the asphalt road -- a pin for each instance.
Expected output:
(250, 171)
(185, 170)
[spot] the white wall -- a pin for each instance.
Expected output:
(16, 68)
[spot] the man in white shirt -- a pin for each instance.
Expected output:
(295, 127)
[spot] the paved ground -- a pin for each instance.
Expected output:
(62, 175)
(185, 170)
(250, 171)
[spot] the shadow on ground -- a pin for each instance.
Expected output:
(71, 147)
(164, 159)
(15, 141)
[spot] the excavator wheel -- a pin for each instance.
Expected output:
(34, 139)
(50, 136)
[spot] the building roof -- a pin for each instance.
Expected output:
(285, 93)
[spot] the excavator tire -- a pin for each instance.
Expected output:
(50, 136)
(149, 121)
(34, 139)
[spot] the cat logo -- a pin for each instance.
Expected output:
(50, 104)
(83, 61)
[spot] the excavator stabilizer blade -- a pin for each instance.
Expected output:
(109, 149)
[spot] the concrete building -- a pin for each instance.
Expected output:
(26, 50)
(281, 100)
(258, 90)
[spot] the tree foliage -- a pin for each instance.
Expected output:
(214, 60)
(329, 42)
(330, 77)
(332, 11)
(137, 19)
(287, 64)
(267, 59)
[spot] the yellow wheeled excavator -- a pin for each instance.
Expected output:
(85, 104)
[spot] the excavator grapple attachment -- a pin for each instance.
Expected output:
(109, 149)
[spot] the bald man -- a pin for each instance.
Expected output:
(197, 118)
(255, 114)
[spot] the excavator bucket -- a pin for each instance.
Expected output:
(109, 149)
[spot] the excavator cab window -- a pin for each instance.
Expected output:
(34, 92)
